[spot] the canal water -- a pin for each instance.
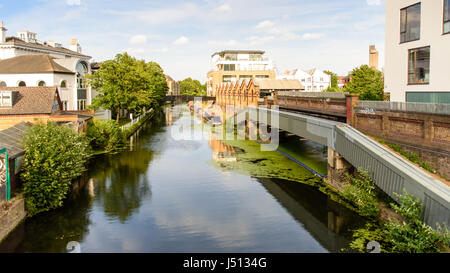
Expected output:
(198, 195)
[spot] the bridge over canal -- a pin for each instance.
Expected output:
(340, 122)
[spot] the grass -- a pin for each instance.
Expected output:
(413, 157)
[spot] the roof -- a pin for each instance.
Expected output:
(283, 84)
(32, 64)
(30, 100)
(63, 50)
(239, 51)
(11, 139)
(169, 78)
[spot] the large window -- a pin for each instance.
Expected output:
(419, 66)
(410, 23)
(81, 71)
(229, 78)
(229, 67)
(429, 97)
(446, 16)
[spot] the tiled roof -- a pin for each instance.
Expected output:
(63, 50)
(28, 64)
(30, 100)
(11, 139)
(284, 84)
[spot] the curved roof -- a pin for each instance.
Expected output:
(32, 64)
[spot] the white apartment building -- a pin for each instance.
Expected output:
(238, 65)
(314, 80)
(417, 65)
(26, 61)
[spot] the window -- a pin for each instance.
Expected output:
(2, 84)
(64, 103)
(419, 66)
(229, 78)
(446, 16)
(81, 71)
(229, 67)
(22, 83)
(429, 97)
(410, 23)
(41, 83)
(81, 104)
(63, 84)
(6, 98)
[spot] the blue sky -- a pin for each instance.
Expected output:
(182, 35)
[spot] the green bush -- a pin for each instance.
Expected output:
(369, 233)
(54, 157)
(105, 134)
(361, 192)
(412, 235)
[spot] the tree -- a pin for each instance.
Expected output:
(334, 79)
(128, 84)
(366, 82)
(192, 87)
(54, 156)
(334, 82)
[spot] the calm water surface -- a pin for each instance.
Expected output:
(168, 195)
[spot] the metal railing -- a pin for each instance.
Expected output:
(135, 120)
(418, 107)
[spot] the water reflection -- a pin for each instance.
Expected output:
(162, 196)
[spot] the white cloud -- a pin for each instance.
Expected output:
(373, 2)
(256, 40)
(223, 8)
(138, 39)
(265, 24)
(73, 2)
(224, 43)
(135, 51)
(312, 36)
(181, 41)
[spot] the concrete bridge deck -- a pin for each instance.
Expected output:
(390, 172)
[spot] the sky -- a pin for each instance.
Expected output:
(182, 35)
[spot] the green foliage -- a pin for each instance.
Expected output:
(333, 89)
(361, 192)
(105, 134)
(128, 84)
(54, 156)
(192, 87)
(413, 157)
(334, 81)
(412, 235)
(366, 82)
(369, 233)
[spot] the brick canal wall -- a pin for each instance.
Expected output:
(427, 135)
(11, 214)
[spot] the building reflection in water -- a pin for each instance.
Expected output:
(221, 152)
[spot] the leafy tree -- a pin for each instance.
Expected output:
(366, 82)
(334, 79)
(192, 87)
(128, 84)
(105, 134)
(54, 156)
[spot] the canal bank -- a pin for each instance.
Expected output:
(167, 195)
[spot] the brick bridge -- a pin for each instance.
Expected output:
(336, 120)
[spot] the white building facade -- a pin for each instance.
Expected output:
(314, 80)
(417, 64)
(74, 65)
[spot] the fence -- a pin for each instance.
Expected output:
(418, 107)
(135, 120)
(5, 187)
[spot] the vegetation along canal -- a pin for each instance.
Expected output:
(206, 195)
